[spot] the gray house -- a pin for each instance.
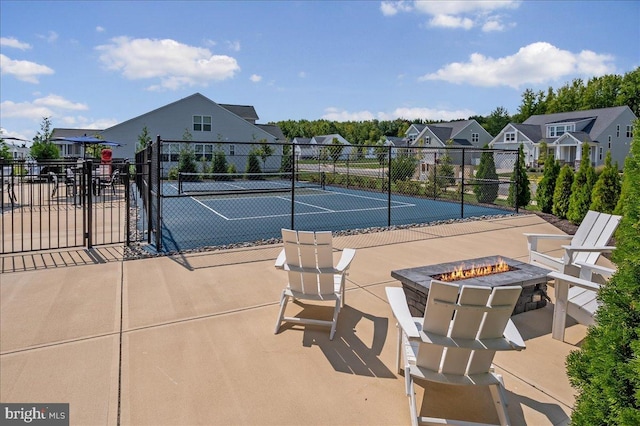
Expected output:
(311, 147)
(464, 134)
(604, 129)
(212, 127)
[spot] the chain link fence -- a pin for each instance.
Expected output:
(191, 195)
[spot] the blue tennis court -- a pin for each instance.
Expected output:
(191, 221)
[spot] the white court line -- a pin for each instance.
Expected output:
(325, 210)
(209, 208)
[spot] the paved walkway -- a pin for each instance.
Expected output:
(189, 339)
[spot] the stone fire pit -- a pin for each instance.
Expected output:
(532, 279)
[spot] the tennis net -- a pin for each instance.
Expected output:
(229, 183)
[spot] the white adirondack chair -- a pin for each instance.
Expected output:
(455, 342)
(586, 246)
(308, 259)
(576, 297)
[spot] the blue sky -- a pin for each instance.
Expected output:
(95, 64)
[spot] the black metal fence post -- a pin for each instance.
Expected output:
(389, 186)
(88, 205)
(127, 203)
(148, 205)
(462, 187)
(294, 166)
(158, 153)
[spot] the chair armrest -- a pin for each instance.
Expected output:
(548, 236)
(280, 260)
(512, 334)
(574, 281)
(345, 259)
(398, 302)
(587, 270)
(571, 251)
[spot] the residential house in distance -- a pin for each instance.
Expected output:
(604, 129)
(456, 134)
(212, 126)
(311, 148)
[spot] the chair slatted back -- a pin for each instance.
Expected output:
(467, 312)
(309, 261)
(600, 235)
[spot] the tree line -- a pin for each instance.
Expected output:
(598, 92)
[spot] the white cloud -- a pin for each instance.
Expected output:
(536, 63)
(302, 74)
(56, 101)
(100, 29)
(255, 78)
(14, 42)
(336, 114)
(426, 114)
(51, 37)
(454, 14)
(450, 21)
(23, 70)
(390, 8)
(54, 106)
(233, 45)
(175, 64)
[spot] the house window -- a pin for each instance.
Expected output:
(558, 130)
(618, 131)
(232, 150)
(201, 123)
(600, 153)
(199, 152)
(609, 140)
(510, 137)
(629, 131)
(475, 137)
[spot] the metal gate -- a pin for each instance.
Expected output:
(63, 204)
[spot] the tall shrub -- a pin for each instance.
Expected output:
(562, 192)
(253, 165)
(486, 186)
(187, 162)
(547, 185)
(583, 182)
(606, 191)
(522, 196)
(606, 369)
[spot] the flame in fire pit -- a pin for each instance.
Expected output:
(462, 272)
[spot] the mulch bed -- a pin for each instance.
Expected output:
(562, 224)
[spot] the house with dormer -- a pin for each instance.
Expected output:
(604, 129)
(211, 126)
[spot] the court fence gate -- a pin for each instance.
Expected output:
(185, 189)
(60, 204)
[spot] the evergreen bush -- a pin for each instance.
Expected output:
(562, 192)
(606, 191)
(547, 186)
(519, 180)
(253, 165)
(606, 369)
(583, 182)
(486, 186)
(220, 164)
(187, 162)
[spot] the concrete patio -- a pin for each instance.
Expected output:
(186, 340)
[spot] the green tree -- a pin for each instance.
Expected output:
(606, 191)
(286, 163)
(519, 191)
(543, 149)
(5, 153)
(335, 151)
(583, 182)
(219, 163)
(562, 192)
(43, 148)
(605, 371)
(497, 120)
(265, 150)
(253, 165)
(630, 91)
(486, 186)
(547, 185)
(403, 167)
(187, 162)
(144, 139)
